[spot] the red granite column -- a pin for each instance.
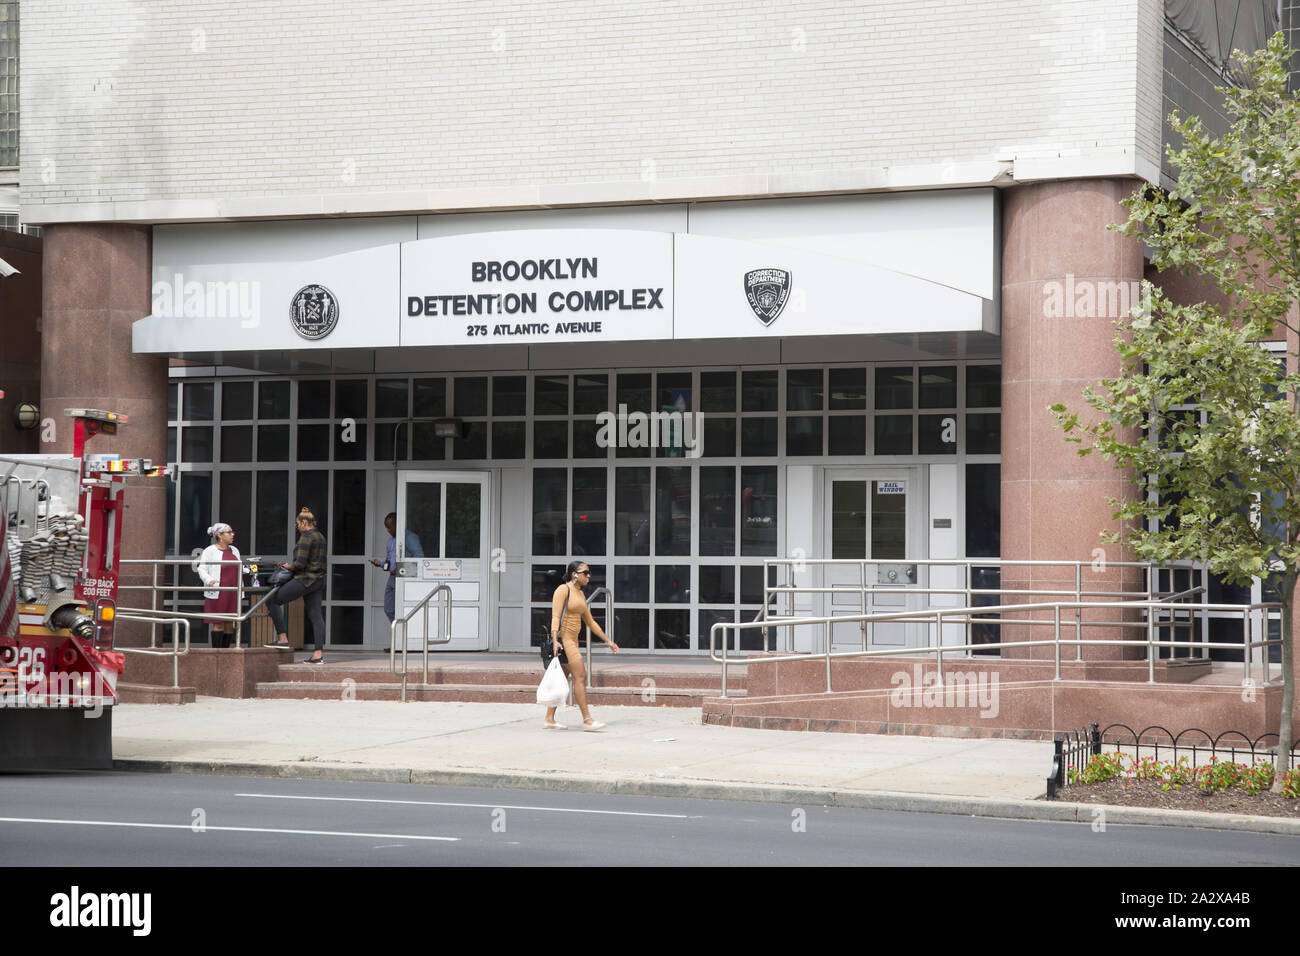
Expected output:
(1060, 266)
(96, 283)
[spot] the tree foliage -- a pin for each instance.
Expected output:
(1220, 486)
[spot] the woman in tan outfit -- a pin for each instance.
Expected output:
(566, 631)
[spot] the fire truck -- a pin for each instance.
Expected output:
(60, 555)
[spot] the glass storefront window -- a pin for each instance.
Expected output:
(391, 398)
(983, 433)
(550, 511)
(508, 440)
(893, 435)
(272, 400)
(632, 511)
(589, 486)
(590, 394)
(236, 443)
(469, 397)
(313, 489)
(803, 435)
(196, 443)
(673, 584)
(473, 447)
(758, 511)
(272, 513)
(939, 386)
(717, 392)
(803, 390)
(551, 439)
(314, 443)
(551, 395)
(272, 442)
(350, 442)
(847, 435)
(758, 437)
(758, 390)
(848, 389)
(350, 513)
(983, 386)
(198, 401)
(429, 398)
(237, 401)
(351, 399)
(672, 510)
(314, 398)
(937, 434)
(632, 584)
(509, 395)
(719, 437)
(894, 388)
(718, 510)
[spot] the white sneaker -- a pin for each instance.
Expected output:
(593, 725)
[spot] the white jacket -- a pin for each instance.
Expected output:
(208, 566)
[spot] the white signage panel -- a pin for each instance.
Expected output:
(433, 569)
(545, 285)
(731, 288)
(343, 301)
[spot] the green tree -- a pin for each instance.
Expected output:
(1222, 488)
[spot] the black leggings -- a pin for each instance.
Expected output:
(312, 595)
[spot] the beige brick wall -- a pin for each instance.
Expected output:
(206, 109)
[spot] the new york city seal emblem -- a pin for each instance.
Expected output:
(314, 312)
(767, 290)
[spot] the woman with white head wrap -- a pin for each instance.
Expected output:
(219, 567)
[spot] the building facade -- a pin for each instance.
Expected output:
(672, 288)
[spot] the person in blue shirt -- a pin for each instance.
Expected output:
(413, 550)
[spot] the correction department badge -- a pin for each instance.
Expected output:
(767, 290)
(314, 312)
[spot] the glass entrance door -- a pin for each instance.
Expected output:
(442, 538)
(872, 518)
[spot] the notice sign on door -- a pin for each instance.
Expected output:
(432, 569)
(891, 487)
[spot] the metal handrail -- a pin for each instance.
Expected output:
(609, 624)
(175, 651)
(403, 621)
(937, 616)
(245, 561)
(151, 614)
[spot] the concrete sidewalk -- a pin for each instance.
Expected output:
(644, 750)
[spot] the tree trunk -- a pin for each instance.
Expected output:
(1284, 736)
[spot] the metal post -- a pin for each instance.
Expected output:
(1151, 644)
(1078, 618)
(826, 627)
(862, 604)
(938, 645)
(970, 618)
(1057, 625)
(1247, 626)
(153, 606)
(239, 608)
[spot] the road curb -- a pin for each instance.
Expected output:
(1027, 810)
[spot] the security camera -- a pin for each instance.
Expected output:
(6, 270)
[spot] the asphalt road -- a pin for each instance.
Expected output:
(177, 820)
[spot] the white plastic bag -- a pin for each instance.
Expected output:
(554, 687)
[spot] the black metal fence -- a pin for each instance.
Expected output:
(1075, 748)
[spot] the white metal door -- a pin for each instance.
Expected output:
(872, 517)
(442, 538)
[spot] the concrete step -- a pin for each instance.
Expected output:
(469, 675)
(337, 687)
